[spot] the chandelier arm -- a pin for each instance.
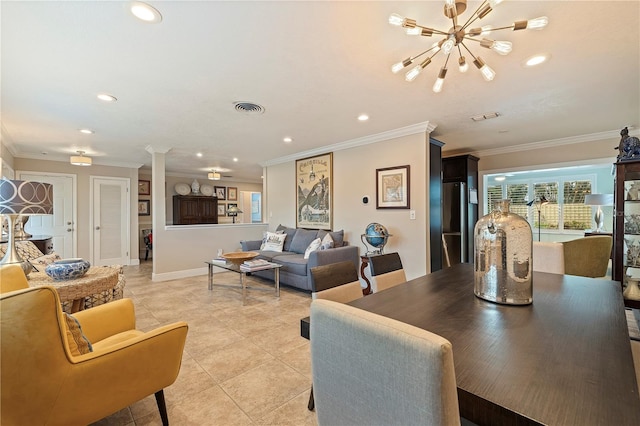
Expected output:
(426, 51)
(510, 27)
(467, 49)
(432, 30)
(474, 16)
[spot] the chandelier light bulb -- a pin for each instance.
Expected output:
(487, 73)
(537, 23)
(395, 19)
(414, 30)
(463, 66)
(448, 45)
(494, 3)
(437, 86)
(411, 75)
(502, 47)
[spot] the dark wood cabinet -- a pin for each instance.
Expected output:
(435, 201)
(194, 209)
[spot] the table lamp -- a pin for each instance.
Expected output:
(20, 197)
(233, 211)
(599, 200)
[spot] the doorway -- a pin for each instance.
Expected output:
(61, 225)
(110, 229)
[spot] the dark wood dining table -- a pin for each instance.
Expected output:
(563, 360)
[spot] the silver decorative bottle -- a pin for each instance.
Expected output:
(503, 257)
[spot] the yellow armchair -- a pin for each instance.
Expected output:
(42, 382)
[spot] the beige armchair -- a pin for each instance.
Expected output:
(47, 379)
(586, 257)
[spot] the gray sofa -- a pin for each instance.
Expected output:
(296, 269)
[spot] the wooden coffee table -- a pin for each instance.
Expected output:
(96, 280)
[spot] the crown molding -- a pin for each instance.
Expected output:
(591, 137)
(423, 127)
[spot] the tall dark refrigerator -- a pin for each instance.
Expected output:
(459, 208)
(454, 223)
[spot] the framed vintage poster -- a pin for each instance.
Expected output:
(392, 188)
(144, 187)
(222, 209)
(314, 192)
(232, 193)
(144, 207)
(221, 192)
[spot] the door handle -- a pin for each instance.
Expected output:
(97, 228)
(69, 223)
(69, 229)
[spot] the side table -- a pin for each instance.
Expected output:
(96, 280)
(363, 267)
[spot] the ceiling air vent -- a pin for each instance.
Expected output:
(249, 108)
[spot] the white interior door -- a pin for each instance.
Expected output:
(60, 225)
(110, 221)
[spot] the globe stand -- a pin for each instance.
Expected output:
(374, 249)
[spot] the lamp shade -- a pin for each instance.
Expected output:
(213, 176)
(80, 159)
(25, 197)
(598, 199)
(233, 210)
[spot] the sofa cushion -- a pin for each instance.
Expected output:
(269, 255)
(292, 263)
(291, 232)
(315, 245)
(337, 236)
(302, 239)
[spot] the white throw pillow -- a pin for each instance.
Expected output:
(273, 242)
(313, 246)
(327, 242)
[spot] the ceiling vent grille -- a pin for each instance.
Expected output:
(249, 108)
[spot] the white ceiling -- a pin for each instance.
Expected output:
(313, 66)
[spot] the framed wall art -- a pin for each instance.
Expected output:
(232, 193)
(144, 187)
(144, 207)
(392, 188)
(314, 192)
(222, 209)
(221, 192)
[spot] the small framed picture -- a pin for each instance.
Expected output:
(392, 188)
(144, 187)
(221, 192)
(232, 193)
(144, 207)
(222, 210)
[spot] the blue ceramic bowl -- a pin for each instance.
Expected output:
(67, 269)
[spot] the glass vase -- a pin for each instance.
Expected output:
(503, 257)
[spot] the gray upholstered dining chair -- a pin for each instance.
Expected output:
(337, 281)
(386, 271)
(405, 376)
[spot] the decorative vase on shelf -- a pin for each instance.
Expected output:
(503, 257)
(195, 187)
(632, 291)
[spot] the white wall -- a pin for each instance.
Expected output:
(354, 176)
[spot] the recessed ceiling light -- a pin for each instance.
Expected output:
(500, 178)
(363, 117)
(145, 12)
(199, 154)
(87, 131)
(288, 139)
(235, 159)
(106, 97)
(537, 60)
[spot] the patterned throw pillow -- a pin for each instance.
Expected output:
(313, 246)
(39, 263)
(327, 242)
(273, 242)
(78, 343)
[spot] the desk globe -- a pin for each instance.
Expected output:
(376, 235)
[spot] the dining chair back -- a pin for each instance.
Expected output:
(405, 375)
(386, 271)
(337, 281)
(587, 256)
(548, 257)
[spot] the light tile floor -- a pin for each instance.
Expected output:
(243, 364)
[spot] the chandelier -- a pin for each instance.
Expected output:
(455, 38)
